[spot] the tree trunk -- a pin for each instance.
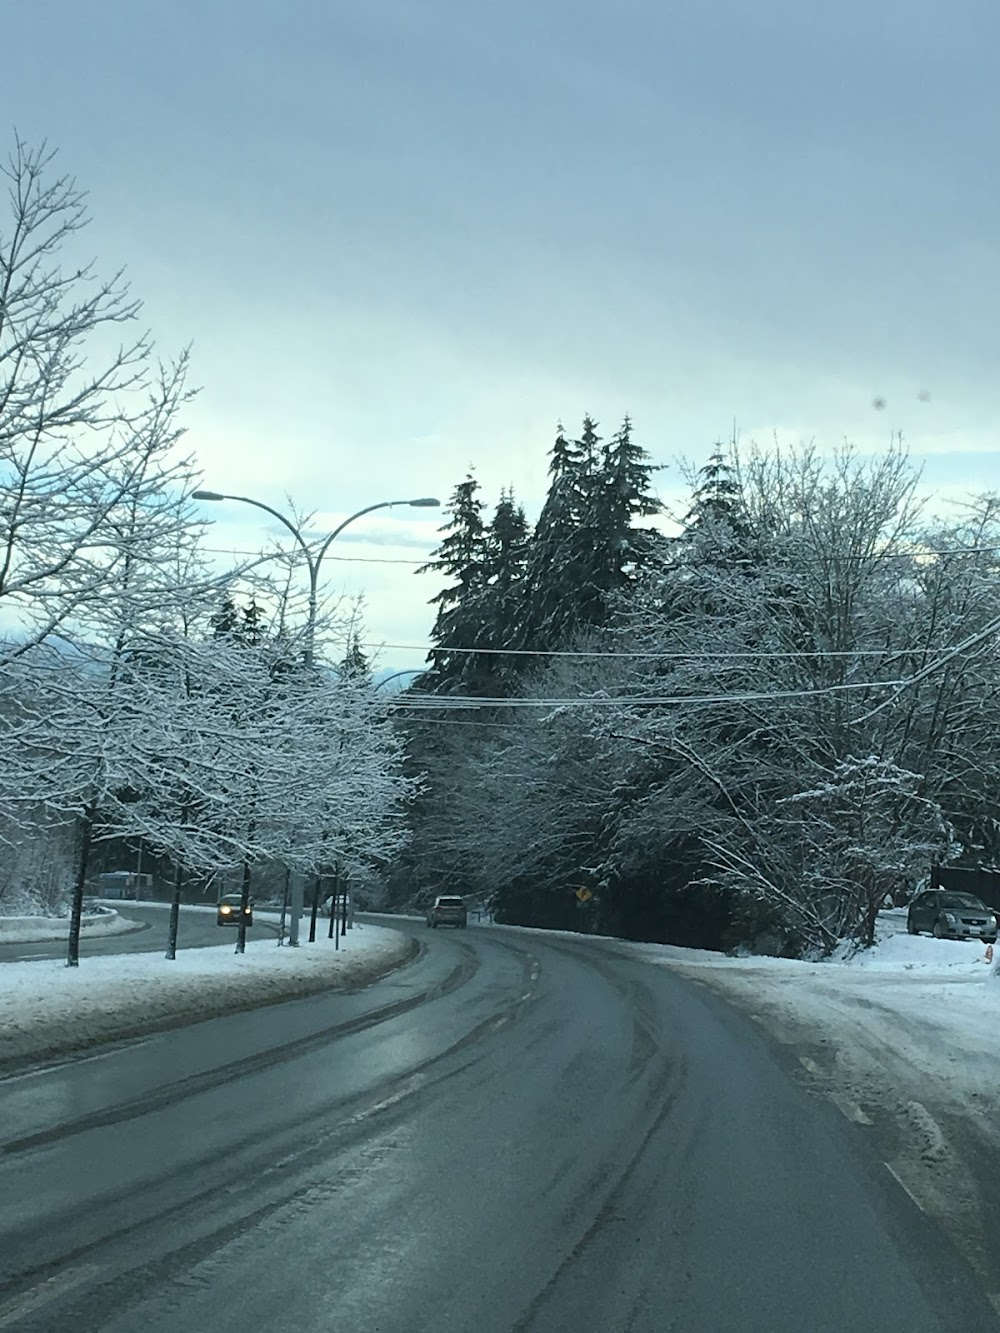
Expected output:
(175, 911)
(317, 883)
(241, 934)
(76, 910)
(334, 932)
(284, 905)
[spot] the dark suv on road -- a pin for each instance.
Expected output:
(948, 915)
(447, 912)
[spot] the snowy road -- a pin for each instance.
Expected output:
(197, 930)
(512, 1133)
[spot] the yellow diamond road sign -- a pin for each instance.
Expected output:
(584, 895)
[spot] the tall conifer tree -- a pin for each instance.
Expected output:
(586, 546)
(504, 593)
(462, 558)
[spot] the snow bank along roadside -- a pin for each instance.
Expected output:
(905, 1039)
(48, 1010)
(41, 929)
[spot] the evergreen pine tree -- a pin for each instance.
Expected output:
(586, 546)
(506, 543)
(717, 532)
(243, 626)
(717, 497)
(253, 628)
(462, 557)
(552, 580)
(226, 621)
(627, 481)
(506, 555)
(619, 494)
(354, 666)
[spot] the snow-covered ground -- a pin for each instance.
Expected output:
(48, 1010)
(38, 929)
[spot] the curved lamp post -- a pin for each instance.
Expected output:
(410, 671)
(313, 562)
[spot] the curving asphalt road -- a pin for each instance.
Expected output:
(513, 1134)
(196, 930)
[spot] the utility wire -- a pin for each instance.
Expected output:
(992, 628)
(444, 703)
(428, 560)
(464, 722)
(346, 559)
(673, 654)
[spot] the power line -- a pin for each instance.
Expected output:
(991, 628)
(346, 559)
(917, 553)
(444, 703)
(429, 559)
(684, 654)
(448, 722)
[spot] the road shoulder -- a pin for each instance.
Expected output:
(49, 1012)
(927, 1100)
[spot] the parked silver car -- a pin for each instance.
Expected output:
(949, 915)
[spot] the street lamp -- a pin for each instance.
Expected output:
(313, 561)
(410, 671)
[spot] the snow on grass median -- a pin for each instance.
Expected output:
(939, 997)
(41, 929)
(48, 1009)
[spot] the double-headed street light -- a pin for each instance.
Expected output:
(313, 561)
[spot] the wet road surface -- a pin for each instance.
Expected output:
(196, 930)
(515, 1133)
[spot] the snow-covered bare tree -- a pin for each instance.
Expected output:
(790, 640)
(88, 415)
(121, 714)
(788, 717)
(94, 524)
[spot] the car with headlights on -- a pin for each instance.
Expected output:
(952, 916)
(228, 911)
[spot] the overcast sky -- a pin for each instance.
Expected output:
(407, 236)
